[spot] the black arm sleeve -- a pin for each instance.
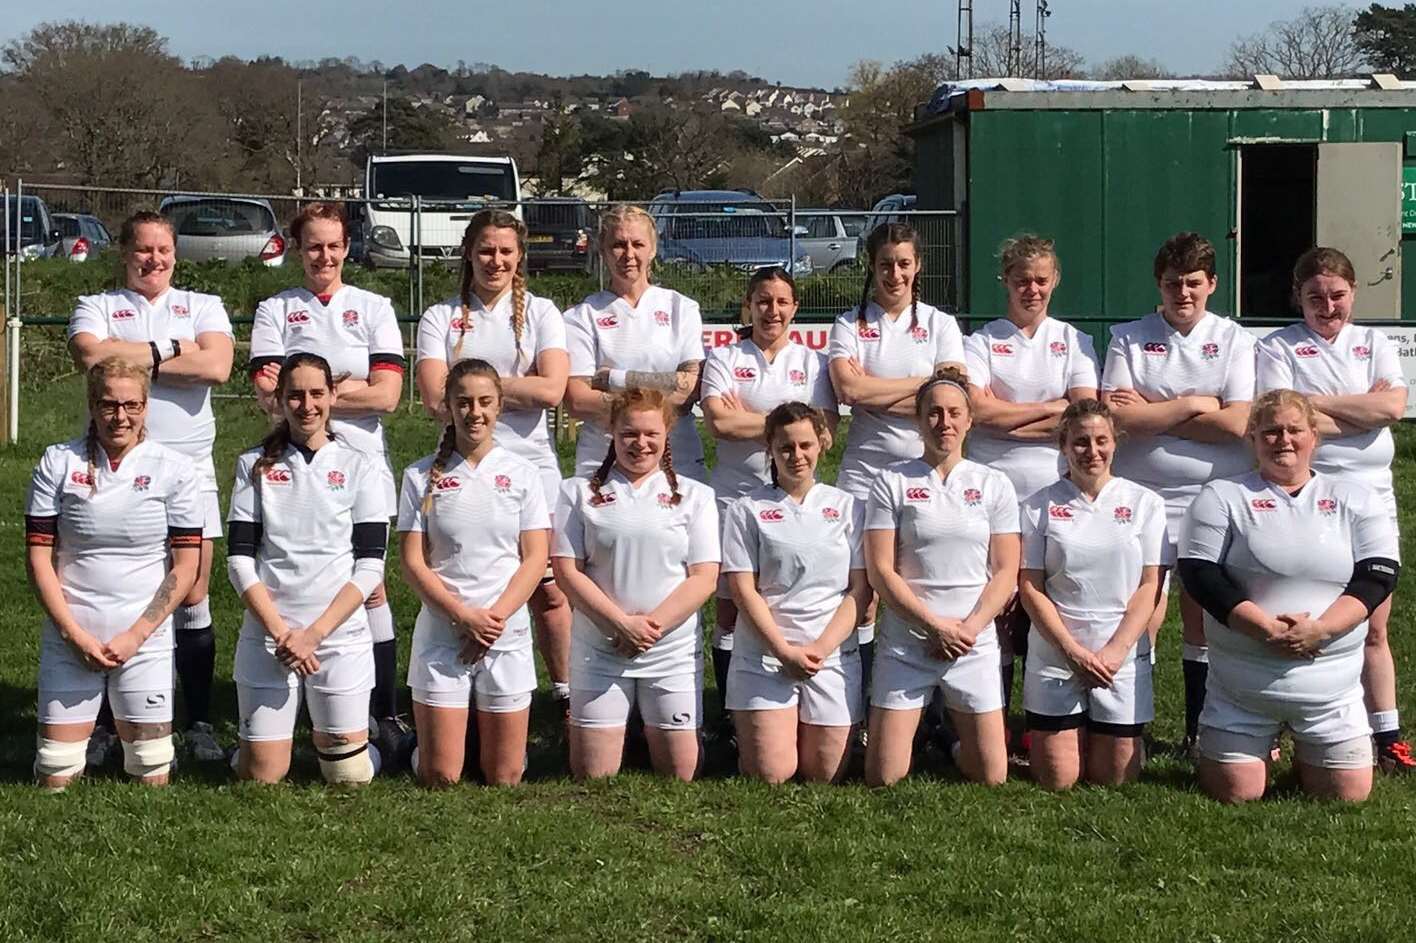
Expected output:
(243, 539)
(1373, 579)
(1211, 587)
(41, 531)
(387, 361)
(370, 539)
(258, 363)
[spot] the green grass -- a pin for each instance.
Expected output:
(639, 858)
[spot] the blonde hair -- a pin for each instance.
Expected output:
(1271, 402)
(109, 368)
(1024, 248)
(623, 214)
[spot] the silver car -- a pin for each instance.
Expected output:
(226, 229)
(84, 235)
(832, 238)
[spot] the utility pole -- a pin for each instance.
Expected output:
(1040, 40)
(1015, 39)
(299, 133)
(385, 115)
(963, 43)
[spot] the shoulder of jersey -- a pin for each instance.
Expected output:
(1129, 329)
(906, 468)
(1289, 334)
(537, 305)
(364, 295)
(421, 467)
(288, 294)
(836, 495)
(1347, 488)
(199, 297)
(444, 309)
(510, 460)
(165, 454)
(63, 450)
(1140, 494)
(595, 301)
(689, 486)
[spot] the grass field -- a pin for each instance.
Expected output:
(639, 858)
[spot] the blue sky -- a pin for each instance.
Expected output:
(809, 42)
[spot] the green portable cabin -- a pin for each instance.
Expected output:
(1264, 169)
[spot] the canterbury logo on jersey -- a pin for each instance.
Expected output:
(1058, 348)
(744, 373)
(1209, 351)
(770, 515)
(608, 321)
(661, 318)
(82, 478)
(1264, 504)
(796, 377)
(1058, 513)
(351, 318)
(298, 317)
(335, 480)
(124, 314)
(1155, 348)
(1003, 350)
(916, 494)
(278, 476)
(1327, 506)
(831, 514)
(448, 483)
(1362, 353)
(141, 483)
(1121, 515)
(973, 497)
(867, 333)
(919, 334)
(502, 483)
(180, 311)
(1307, 350)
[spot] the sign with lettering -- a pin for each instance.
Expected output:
(1408, 198)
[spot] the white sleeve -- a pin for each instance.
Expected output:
(1116, 374)
(739, 538)
(855, 532)
(410, 501)
(690, 326)
(717, 379)
(534, 514)
(1003, 509)
(703, 546)
(185, 509)
(976, 360)
(948, 340)
(843, 344)
(89, 318)
(1205, 533)
(385, 339)
(823, 394)
(1081, 362)
(1373, 531)
(1156, 546)
(1033, 522)
(1239, 381)
(211, 318)
(881, 510)
(47, 484)
(1272, 368)
(432, 335)
(1386, 364)
(568, 537)
(550, 329)
(266, 337)
(245, 496)
(580, 341)
(370, 504)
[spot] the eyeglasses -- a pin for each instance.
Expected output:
(108, 408)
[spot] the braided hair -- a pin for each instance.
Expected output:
(276, 441)
(771, 273)
(447, 444)
(634, 401)
(783, 415)
(109, 368)
(493, 219)
(889, 234)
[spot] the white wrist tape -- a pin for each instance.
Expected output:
(618, 379)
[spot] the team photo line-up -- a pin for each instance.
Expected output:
(1007, 496)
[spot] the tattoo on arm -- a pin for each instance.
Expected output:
(670, 381)
(160, 600)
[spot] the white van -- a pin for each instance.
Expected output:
(451, 188)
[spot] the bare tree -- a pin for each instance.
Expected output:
(990, 56)
(1130, 67)
(1319, 43)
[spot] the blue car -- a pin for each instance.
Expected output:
(703, 228)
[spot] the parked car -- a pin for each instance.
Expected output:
(84, 235)
(227, 229)
(559, 236)
(701, 228)
(36, 237)
(888, 210)
(832, 239)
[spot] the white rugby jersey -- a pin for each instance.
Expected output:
(1296, 358)
(891, 349)
(473, 532)
(179, 414)
(1091, 554)
(356, 331)
(942, 529)
(111, 544)
(304, 509)
(605, 332)
(637, 548)
(796, 374)
(802, 555)
(1215, 359)
(1289, 553)
(1021, 369)
(488, 335)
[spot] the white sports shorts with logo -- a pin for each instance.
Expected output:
(1236, 728)
(906, 680)
(1129, 701)
(601, 696)
(830, 698)
(501, 682)
(139, 691)
(268, 694)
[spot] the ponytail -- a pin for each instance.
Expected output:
(446, 445)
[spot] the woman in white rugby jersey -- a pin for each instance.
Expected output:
(633, 335)
(308, 528)
(495, 319)
(183, 339)
(1093, 548)
(636, 550)
(1024, 369)
(113, 525)
(742, 383)
(476, 535)
(1289, 564)
(880, 354)
(357, 332)
(1179, 382)
(792, 557)
(1353, 378)
(941, 550)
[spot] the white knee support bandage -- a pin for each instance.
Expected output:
(193, 617)
(144, 758)
(354, 765)
(59, 758)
